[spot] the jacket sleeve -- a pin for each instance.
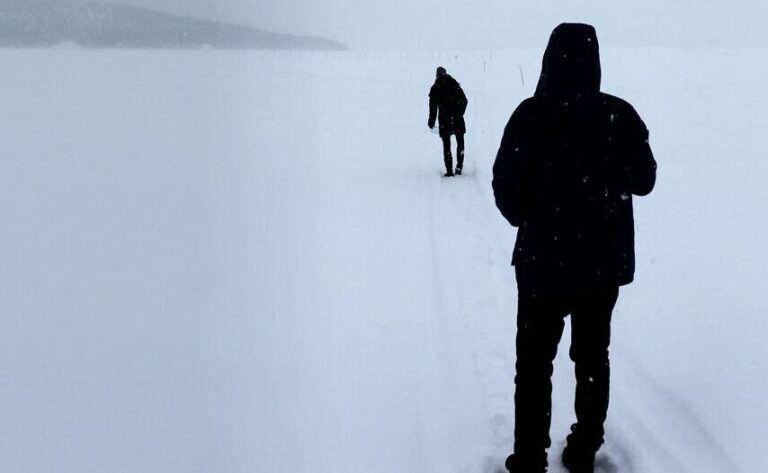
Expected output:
(432, 106)
(640, 166)
(509, 171)
(463, 102)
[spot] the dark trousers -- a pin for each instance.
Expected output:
(540, 322)
(447, 158)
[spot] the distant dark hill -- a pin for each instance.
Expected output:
(41, 23)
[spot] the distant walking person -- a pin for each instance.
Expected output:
(447, 104)
(570, 160)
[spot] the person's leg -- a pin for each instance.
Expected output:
(447, 158)
(539, 328)
(591, 335)
(459, 152)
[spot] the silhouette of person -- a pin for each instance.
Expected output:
(448, 103)
(569, 162)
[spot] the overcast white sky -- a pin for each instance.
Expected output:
(432, 24)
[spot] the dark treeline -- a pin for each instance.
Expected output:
(30, 23)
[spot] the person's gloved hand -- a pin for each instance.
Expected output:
(431, 124)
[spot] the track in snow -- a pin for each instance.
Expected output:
(259, 269)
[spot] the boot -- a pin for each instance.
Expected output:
(448, 166)
(578, 455)
(517, 464)
(578, 461)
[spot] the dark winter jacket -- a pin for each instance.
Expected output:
(570, 160)
(447, 103)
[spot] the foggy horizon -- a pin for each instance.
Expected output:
(93, 24)
(453, 25)
(433, 25)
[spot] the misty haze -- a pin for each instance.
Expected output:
(227, 245)
(40, 23)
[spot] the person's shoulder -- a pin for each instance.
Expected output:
(527, 109)
(621, 112)
(612, 100)
(529, 105)
(618, 105)
(524, 115)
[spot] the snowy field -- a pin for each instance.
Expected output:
(248, 262)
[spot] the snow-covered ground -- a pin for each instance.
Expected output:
(248, 262)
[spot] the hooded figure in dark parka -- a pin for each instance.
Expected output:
(447, 104)
(570, 160)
